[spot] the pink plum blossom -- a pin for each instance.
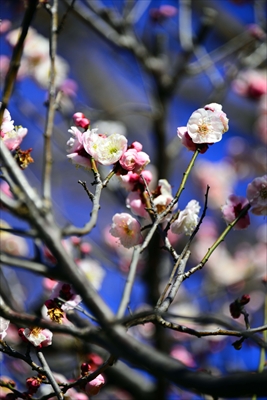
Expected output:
(257, 195)
(93, 387)
(187, 219)
(232, 209)
(38, 336)
(133, 160)
(207, 125)
(128, 159)
(105, 150)
(14, 138)
(4, 324)
(127, 229)
(137, 146)
(77, 153)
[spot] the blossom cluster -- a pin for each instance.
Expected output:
(205, 127)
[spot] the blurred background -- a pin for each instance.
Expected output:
(141, 68)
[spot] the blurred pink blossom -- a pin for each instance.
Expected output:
(127, 229)
(92, 388)
(251, 83)
(136, 204)
(5, 25)
(257, 195)
(220, 176)
(231, 210)
(180, 353)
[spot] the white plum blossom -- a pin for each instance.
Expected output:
(38, 336)
(4, 324)
(105, 150)
(127, 229)
(165, 195)
(205, 126)
(187, 219)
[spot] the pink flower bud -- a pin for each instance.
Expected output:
(136, 145)
(80, 120)
(33, 384)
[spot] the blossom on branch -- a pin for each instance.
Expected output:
(105, 150)
(11, 135)
(257, 195)
(232, 209)
(187, 219)
(207, 125)
(127, 229)
(77, 153)
(38, 337)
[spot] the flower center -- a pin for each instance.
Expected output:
(203, 129)
(113, 150)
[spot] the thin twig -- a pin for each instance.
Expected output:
(216, 244)
(48, 158)
(129, 283)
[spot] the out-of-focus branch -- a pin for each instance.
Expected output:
(49, 375)
(16, 57)
(29, 265)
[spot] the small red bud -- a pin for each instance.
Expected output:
(245, 299)
(85, 368)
